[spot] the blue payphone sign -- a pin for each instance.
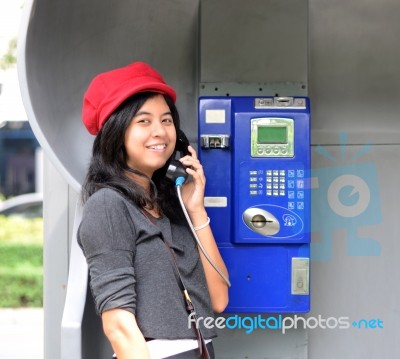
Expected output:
(256, 155)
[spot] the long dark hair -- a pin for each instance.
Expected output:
(108, 166)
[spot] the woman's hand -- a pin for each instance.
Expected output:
(193, 191)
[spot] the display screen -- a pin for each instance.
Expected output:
(271, 134)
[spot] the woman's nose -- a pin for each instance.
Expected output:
(158, 129)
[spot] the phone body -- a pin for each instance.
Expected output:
(256, 154)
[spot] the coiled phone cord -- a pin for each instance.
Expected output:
(179, 182)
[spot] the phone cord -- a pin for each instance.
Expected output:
(178, 190)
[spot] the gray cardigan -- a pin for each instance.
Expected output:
(130, 267)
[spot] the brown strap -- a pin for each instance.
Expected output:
(203, 351)
(189, 306)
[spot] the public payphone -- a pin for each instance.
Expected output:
(256, 156)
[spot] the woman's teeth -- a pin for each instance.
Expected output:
(158, 147)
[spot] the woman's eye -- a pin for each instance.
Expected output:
(168, 121)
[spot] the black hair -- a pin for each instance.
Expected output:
(108, 166)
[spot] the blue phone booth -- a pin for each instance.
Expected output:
(256, 156)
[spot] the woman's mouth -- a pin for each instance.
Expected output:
(158, 147)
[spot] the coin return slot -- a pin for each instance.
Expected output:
(215, 141)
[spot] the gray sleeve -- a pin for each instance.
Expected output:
(107, 237)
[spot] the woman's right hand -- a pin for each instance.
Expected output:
(122, 331)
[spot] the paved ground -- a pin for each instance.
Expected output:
(21, 333)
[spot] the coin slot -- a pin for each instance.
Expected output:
(259, 221)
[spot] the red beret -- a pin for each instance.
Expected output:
(109, 89)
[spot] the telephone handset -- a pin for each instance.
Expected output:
(175, 168)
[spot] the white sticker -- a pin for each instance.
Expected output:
(215, 116)
(215, 201)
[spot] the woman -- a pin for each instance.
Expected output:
(132, 215)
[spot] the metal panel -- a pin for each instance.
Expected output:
(253, 42)
(55, 258)
(354, 77)
(355, 268)
(261, 343)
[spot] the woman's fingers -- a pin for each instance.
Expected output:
(194, 167)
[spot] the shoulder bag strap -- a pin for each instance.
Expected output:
(203, 351)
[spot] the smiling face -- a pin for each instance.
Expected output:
(151, 136)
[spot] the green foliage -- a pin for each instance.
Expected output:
(21, 230)
(20, 256)
(21, 288)
(9, 59)
(21, 262)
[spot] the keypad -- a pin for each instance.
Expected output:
(277, 179)
(287, 185)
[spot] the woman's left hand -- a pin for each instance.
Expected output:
(193, 191)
